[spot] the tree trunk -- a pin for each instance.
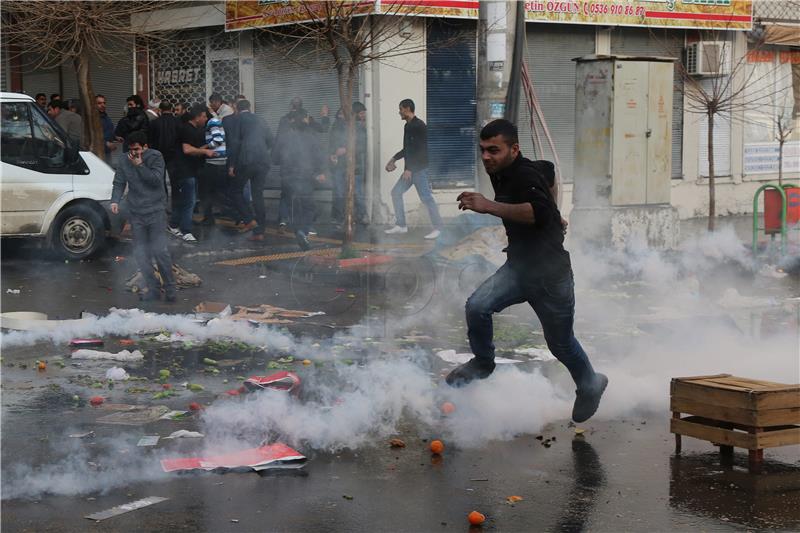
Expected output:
(92, 130)
(346, 82)
(780, 159)
(712, 198)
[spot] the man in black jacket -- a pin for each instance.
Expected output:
(538, 270)
(164, 136)
(415, 152)
(135, 120)
(249, 141)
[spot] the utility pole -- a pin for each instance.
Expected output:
(497, 24)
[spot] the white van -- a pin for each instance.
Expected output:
(48, 188)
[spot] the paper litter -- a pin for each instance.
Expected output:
(185, 434)
(116, 374)
(125, 508)
(124, 355)
(276, 455)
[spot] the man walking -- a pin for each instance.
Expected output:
(191, 154)
(142, 172)
(415, 152)
(109, 143)
(249, 143)
(538, 269)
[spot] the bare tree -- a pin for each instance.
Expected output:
(352, 37)
(717, 85)
(784, 126)
(52, 33)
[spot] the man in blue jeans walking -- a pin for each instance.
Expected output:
(537, 271)
(415, 152)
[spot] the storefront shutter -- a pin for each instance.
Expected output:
(37, 80)
(549, 53)
(451, 102)
(664, 43)
(277, 80)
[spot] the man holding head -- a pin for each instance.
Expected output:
(141, 171)
(538, 269)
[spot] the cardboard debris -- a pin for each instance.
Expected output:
(123, 355)
(143, 415)
(148, 440)
(213, 308)
(450, 356)
(125, 508)
(276, 455)
(183, 279)
(283, 381)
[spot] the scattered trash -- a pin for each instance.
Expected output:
(12, 291)
(268, 314)
(514, 499)
(437, 447)
(126, 342)
(185, 434)
(164, 374)
(307, 362)
(168, 393)
(117, 374)
(234, 520)
(166, 386)
(276, 455)
(448, 408)
(283, 381)
(96, 400)
(87, 435)
(213, 308)
(475, 518)
(450, 356)
(86, 342)
(580, 431)
(124, 355)
(194, 406)
(537, 354)
(211, 362)
(347, 497)
(175, 415)
(41, 366)
(125, 508)
(148, 440)
(194, 387)
(397, 443)
(140, 415)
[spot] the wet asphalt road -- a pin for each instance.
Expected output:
(621, 475)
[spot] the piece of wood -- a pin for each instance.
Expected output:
(677, 415)
(781, 437)
(730, 396)
(748, 417)
(690, 428)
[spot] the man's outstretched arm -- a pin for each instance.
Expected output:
(474, 201)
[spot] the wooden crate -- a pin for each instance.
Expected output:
(732, 411)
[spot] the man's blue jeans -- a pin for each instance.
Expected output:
(553, 301)
(419, 179)
(183, 199)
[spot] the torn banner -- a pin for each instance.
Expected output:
(276, 455)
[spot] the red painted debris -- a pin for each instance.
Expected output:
(86, 342)
(283, 381)
(96, 400)
(194, 406)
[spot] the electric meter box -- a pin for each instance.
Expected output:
(623, 134)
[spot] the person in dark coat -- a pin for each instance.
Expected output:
(135, 120)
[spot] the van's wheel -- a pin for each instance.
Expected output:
(77, 232)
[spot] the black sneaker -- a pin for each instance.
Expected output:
(302, 241)
(475, 368)
(588, 399)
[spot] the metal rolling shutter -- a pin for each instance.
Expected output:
(669, 43)
(722, 139)
(549, 53)
(37, 80)
(278, 80)
(451, 102)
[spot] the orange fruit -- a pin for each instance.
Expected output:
(42, 365)
(475, 518)
(448, 408)
(437, 446)
(96, 400)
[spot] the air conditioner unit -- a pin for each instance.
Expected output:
(708, 58)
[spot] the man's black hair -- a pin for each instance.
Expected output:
(358, 107)
(40, 94)
(99, 96)
(136, 99)
(137, 137)
(215, 97)
(165, 105)
(55, 104)
(502, 127)
(243, 104)
(196, 110)
(408, 103)
(55, 96)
